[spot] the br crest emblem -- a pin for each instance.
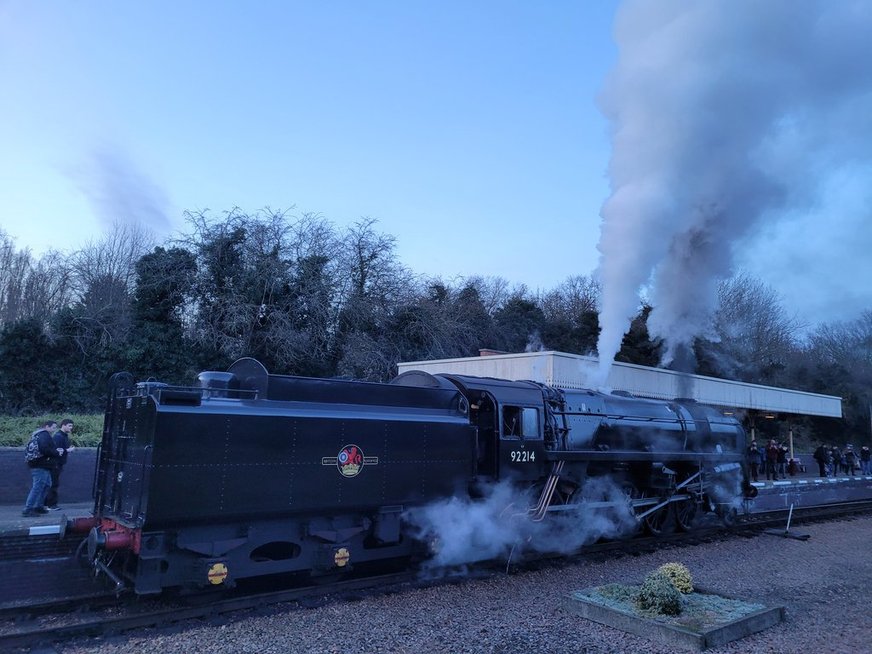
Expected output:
(350, 461)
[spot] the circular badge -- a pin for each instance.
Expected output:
(217, 574)
(350, 460)
(341, 557)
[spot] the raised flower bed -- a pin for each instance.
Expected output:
(700, 620)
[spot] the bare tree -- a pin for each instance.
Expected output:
(304, 327)
(113, 256)
(49, 286)
(494, 292)
(844, 343)
(267, 287)
(571, 315)
(242, 277)
(15, 266)
(837, 360)
(30, 288)
(373, 284)
(756, 334)
(102, 276)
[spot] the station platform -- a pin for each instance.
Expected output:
(12, 523)
(38, 557)
(809, 490)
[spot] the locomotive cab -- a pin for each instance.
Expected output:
(509, 420)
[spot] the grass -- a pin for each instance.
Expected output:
(16, 431)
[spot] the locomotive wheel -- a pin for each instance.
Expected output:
(632, 493)
(728, 515)
(685, 514)
(661, 521)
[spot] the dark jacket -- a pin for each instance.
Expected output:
(50, 457)
(782, 455)
(753, 454)
(62, 440)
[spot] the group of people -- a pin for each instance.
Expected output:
(831, 460)
(773, 460)
(46, 455)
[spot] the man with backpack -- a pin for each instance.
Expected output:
(42, 456)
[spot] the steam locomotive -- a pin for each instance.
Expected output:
(248, 473)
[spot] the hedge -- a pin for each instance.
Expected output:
(16, 431)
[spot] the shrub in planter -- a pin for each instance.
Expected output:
(679, 575)
(658, 594)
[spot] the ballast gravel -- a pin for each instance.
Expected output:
(825, 583)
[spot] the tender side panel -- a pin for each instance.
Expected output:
(227, 462)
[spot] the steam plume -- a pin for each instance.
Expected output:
(725, 115)
(121, 193)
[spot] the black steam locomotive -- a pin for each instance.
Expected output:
(251, 474)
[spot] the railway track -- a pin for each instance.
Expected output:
(42, 623)
(154, 613)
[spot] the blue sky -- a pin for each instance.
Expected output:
(469, 130)
(472, 131)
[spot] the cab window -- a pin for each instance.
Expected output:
(520, 422)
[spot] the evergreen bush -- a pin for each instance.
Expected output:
(659, 595)
(679, 575)
(87, 430)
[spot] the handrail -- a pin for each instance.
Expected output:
(537, 513)
(146, 454)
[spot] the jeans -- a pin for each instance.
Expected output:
(51, 496)
(41, 483)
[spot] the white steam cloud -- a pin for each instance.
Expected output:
(725, 115)
(464, 531)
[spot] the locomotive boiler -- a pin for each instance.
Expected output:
(247, 474)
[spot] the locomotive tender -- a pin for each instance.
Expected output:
(250, 474)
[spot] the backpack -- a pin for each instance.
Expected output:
(31, 452)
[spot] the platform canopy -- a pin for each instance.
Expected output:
(565, 370)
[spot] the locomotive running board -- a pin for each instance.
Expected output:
(624, 455)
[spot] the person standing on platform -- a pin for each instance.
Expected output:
(41, 455)
(837, 460)
(753, 459)
(772, 451)
(762, 449)
(62, 442)
(865, 460)
(850, 460)
(782, 461)
(820, 455)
